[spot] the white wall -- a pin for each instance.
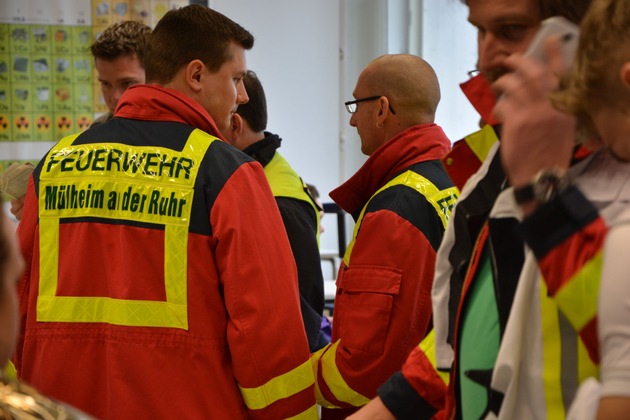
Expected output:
(308, 55)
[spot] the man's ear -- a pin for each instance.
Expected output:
(236, 127)
(194, 72)
(383, 111)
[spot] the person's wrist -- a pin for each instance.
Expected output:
(540, 189)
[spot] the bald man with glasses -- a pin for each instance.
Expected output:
(401, 200)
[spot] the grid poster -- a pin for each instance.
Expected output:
(48, 85)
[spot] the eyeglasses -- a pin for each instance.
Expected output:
(351, 106)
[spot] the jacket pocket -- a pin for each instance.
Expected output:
(363, 306)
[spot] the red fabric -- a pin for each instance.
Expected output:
(461, 163)
(590, 338)
(422, 376)
(479, 92)
(577, 250)
(237, 332)
(430, 143)
(157, 103)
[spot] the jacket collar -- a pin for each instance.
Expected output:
(157, 103)
(416, 144)
(264, 150)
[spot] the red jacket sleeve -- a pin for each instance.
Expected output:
(266, 336)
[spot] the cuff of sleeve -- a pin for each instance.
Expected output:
(403, 401)
(556, 220)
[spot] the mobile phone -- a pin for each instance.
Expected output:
(566, 31)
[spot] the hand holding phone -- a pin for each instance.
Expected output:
(567, 33)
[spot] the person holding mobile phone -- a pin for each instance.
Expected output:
(481, 261)
(580, 245)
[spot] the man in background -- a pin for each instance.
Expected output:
(298, 208)
(119, 61)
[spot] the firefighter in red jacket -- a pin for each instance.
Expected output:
(152, 280)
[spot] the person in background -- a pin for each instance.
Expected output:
(119, 61)
(180, 316)
(401, 200)
(19, 400)
(299, 211)
(481, 258)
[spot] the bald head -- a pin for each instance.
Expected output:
(408, 81)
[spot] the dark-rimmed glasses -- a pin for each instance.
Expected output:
(351, 106)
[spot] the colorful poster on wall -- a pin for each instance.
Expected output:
(48, 85)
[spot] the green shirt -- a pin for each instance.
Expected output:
(479, 339)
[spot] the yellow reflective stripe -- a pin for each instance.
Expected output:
(124, 188)
(480, 142)
(586, 367)
(133, 313)
(49, 257)
(285, 182)
(280, 387)
(315, 364)
(311, 413)
(427, 345)
(442, 200)
(552, 364)
(176, 265)
(335, 381)
(578, 297)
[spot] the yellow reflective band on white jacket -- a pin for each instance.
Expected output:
(111, 180)
(553, 331)
(578, 297)
(280, 387)
(442, 200)
(427, 345)
(336, 384)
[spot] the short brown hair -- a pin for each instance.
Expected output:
(120, 39)
(190, 33)
(573, 10)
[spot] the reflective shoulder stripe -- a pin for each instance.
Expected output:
(285, 182)
(335, 382)
(427, 345)
(480, 142)
(111, 180)
(442, 200)
(280, 387)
